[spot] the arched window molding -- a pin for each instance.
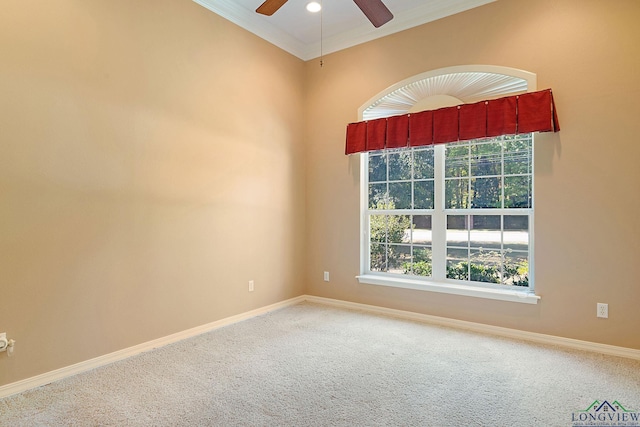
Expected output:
(446, 87)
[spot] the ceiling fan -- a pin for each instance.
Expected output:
(374, 10)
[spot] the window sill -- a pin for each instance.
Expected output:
(452, 288)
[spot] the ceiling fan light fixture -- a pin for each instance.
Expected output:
(314, 7)
(374, 10)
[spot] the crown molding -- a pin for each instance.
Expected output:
(431, 11)
(253, 23)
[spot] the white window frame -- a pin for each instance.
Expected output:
(439, 283)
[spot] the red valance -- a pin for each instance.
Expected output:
(529, 112)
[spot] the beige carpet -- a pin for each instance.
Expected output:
(312, 365)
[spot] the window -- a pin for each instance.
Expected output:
(481, 203)
(401, 191)
(454, 218)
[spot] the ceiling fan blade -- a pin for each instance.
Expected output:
(269, 7)
(375, 11)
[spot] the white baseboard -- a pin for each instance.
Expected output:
(68, 371)
(610, 350)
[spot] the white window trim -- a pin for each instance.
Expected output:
(452, 288)
(437, 284)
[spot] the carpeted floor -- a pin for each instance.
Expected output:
(313, 365)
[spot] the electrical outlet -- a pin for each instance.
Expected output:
(602, 310)
(326, 276)
(250, 285)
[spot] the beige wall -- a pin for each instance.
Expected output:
(586, 179)
(151, 163)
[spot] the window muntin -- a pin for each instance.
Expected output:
(400, 200)
(488, 249)
(483, 214)
(400, 244)
(489, 174)
(403, 179)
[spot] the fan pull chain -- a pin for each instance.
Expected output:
(321, 61)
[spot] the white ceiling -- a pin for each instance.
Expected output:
(297, 31)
